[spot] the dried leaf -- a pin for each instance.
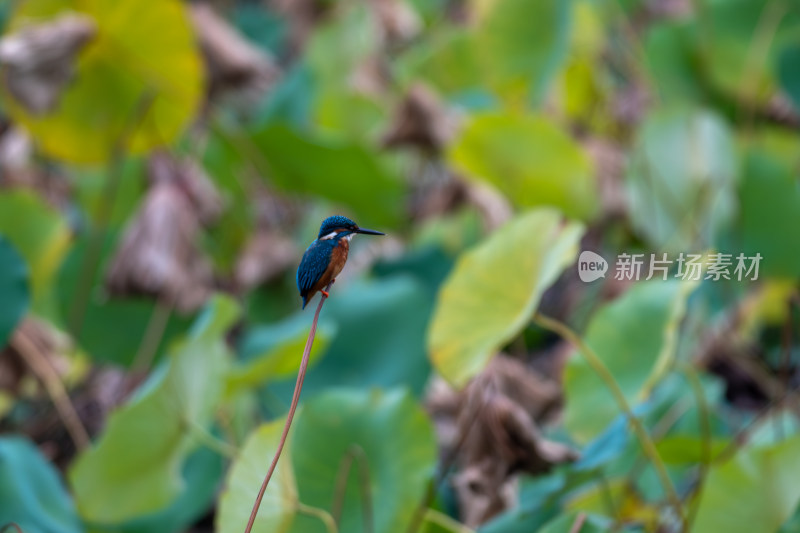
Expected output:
(420, 121)
(483, 492)
(190, 177)
(266, 255)
(397, 20)
(302, 15)
(159, 254)
(233, 63)
(494, 424)
(39, 61)
(49, 341)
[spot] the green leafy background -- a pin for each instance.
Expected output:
(492, 141)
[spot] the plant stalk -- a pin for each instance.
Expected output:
(44, 370)
(301, 375)
(99, 232)
(603, 373)
(577, 525)
(354, 453)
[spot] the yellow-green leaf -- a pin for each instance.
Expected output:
(494, 289)
(134, 468)
(514, 49)
(635, 337)
(757, 490)
(244, 481)
(141, 50)
(688, 449)
(521, 42)
(447, 61)
(529, 159)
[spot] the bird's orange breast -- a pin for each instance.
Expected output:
(339, 257)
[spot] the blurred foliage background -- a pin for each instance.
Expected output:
(163, 165)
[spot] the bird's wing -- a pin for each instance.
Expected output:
(313, 265)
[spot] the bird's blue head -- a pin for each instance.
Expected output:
(339, 225)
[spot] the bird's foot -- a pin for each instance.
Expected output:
(325, 294)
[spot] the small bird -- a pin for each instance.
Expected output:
(326, 256)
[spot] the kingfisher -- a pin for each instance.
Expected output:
(326, 256)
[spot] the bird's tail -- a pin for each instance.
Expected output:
(305, 301)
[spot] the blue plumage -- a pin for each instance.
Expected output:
(333, 223)
(325, 258)
(315, 260)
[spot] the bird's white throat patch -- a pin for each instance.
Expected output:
(333, 234)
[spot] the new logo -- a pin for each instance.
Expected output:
(591, 266)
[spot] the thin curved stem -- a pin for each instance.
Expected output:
(153, 334)
(301, 375)
(213, 443)
(148, 347)
(321, 514)
(354, 453)
(642, 436)
(43, 369)
(612, 509)
(705, 429)
(94, 250)
(11, 525)
(577, 525)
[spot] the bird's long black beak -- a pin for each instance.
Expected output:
(369, 231)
